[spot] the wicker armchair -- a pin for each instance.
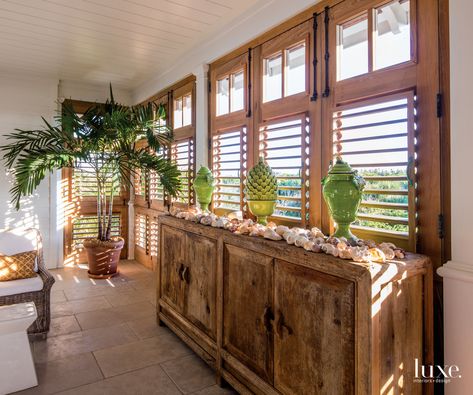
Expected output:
(13, 241)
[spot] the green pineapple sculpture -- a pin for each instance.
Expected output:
(261, 191)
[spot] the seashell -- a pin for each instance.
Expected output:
(387, 245)
(388, 252)
(281, 229)
(370, 243)
(316, 247)
(342, 245)
(174, 211)
(319, 240)
(235, 215)
(271, 234)
(244, 229)
(359, 254)
(400, 254)
(291, 238)
(191, 217)
(287, 234)
(333, 240)
(316, 232)
(376, 255)
(308, 245)
(329, 249)
(181, 214)
(300, 240)
(344, 254)
(206, 220)
(221, 222)
(254, 231)
(271, 225)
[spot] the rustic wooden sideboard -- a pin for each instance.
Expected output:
(271, 318)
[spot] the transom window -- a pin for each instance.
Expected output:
(285, 73)
(230, 93)
(182, 114)
(364, 47)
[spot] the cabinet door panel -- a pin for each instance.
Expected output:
(247, 288)
(314, 341)
(173, 243)
(201, 288)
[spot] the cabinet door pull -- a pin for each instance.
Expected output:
(179, 272)
(185, 274)
(268, 318)
(281, 326)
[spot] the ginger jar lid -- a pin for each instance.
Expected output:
(204, 171)
(341, 167)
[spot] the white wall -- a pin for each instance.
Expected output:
(22, 103)
(458, 274)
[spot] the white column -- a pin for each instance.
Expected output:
(201, 119)
(458, 273)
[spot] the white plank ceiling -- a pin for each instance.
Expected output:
(124, 42)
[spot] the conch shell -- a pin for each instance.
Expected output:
(271, 234)
(281, 229)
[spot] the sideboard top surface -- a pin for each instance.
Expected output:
(380, 273)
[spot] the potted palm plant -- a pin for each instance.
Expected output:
(105, 139)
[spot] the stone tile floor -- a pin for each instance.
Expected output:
(104, 340)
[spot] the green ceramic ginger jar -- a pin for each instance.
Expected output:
(204, 185)
(342, 190)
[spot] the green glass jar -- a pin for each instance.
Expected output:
(342, 190)
(204, 185)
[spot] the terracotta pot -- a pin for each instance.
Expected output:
(103, 256)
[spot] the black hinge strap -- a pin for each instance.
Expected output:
(439, 101)
(327, 54)
(248, 110)
(315, 94)
(441, 226)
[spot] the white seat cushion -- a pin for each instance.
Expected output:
(21, 286)
(16, 240)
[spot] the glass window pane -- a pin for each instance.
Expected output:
(237, 93)
(272, 78)
(393, 34)
(223, 87)
(177, 117)
(295, 70)
(187, 111)
(353, 48)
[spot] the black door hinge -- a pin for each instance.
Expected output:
(210, 143)
(439, 105)
(441, 226)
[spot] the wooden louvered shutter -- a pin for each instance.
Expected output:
(378, 139)
(182, 153)
(284, 145)
(229, 150)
